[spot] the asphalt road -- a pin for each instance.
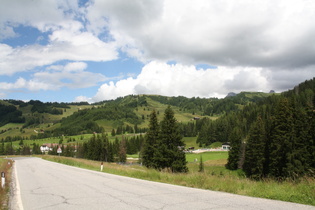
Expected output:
(41, 184)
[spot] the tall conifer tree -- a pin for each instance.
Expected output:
(255, 150)
(311, 142)
(235, 151)
(122, 154)
(281, 139)
(298, 163)
(171, 144)
(151, 139)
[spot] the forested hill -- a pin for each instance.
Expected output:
(275, 137)
(202, 106)
(125, 114)
(20, 119)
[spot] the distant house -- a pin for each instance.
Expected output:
(226, 146)
(47, 147)
(44, 148)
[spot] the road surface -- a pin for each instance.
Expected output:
(40, 184)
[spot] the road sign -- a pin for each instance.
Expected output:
(59, 150)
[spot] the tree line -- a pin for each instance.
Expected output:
(10, 114)
(276, 138)
(7, 149)
(100, 148)
(161, 148)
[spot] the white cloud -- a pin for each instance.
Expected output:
(183, 80)
(112, 91)
(6, 32)
(177, 79)
(80, 47)
(21, 83)
(220, 32)
(44, 15)
(76, 66)
(82, 98)
(247, 79)
(67, 40)
(72, 75)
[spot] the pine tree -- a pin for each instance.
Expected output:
(21, 142)
(2, 151)
(113, 132)
(122, 154)
(81, 150)
(255, 150)
(107, 153)
(298, 163)
(203, 135)
(235, 150)
(151, 139)
(9, 149)
(98, 152)
(110, 155)
(170, 145)
(282, 137)
(115, 150)
(311, 141)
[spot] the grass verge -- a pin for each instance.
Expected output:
(215, 177)
(5, 166)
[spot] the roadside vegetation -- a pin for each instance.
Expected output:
(215, 177)
(5, 166)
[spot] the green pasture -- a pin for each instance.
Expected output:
(191, 157)
(190, 142)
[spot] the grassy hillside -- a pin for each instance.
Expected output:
(46, 121)
(105, 113)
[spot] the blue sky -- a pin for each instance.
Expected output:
(98, 50)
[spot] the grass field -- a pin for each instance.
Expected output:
(206, 156)
(190, 142)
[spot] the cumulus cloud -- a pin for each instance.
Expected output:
(186, 80)
(82, 98)
(72, 75)
(220, 32)
(247, 79)
(177, 79)
(67, 37)
(32, 85)
(43, 15)
(64, 46)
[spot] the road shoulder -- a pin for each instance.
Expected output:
(15, 201)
